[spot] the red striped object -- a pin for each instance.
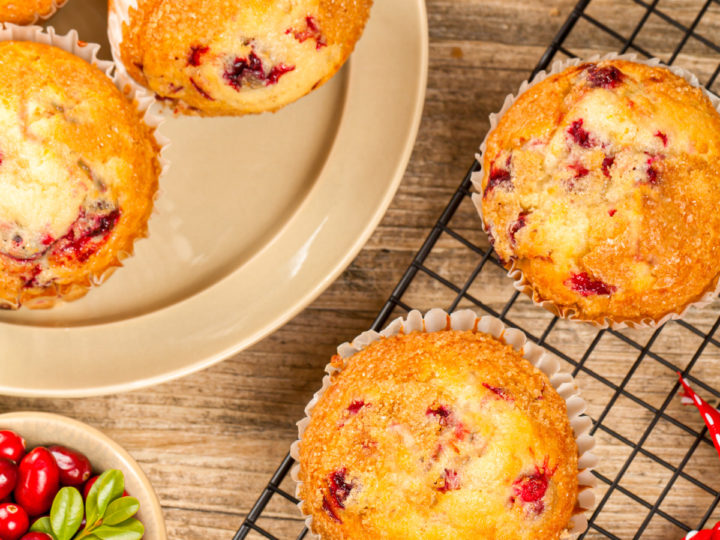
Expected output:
(711, 417)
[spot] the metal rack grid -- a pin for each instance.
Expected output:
(642, 346)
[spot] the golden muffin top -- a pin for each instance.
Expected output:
(78, 171)
(439, 435)
(601, 184)
(220, 57)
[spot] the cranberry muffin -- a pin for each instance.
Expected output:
(430, 435)
(27, 11)
(220, 57)
(600, 185)
(78, 173)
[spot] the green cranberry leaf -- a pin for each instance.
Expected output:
(108, 487)
(43, 525)
(66, 513)
(120, 510)
(130, 529)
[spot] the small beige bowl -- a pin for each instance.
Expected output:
(39, 429)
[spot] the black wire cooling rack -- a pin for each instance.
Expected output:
(658, 475)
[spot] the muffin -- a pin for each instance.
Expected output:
(220, 57)
(78, 173)
(27, 11)
(446, 434)
(600, 186)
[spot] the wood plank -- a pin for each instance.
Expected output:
(210, 441)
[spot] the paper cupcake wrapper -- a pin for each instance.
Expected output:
(88, 51)
(119, 14)
(520, 282)
(436, 320)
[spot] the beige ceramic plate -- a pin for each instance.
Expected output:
(43, 429)
(257, 216)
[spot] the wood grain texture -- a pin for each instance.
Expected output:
(210, 441)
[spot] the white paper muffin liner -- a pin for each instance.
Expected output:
(119, 14)
(438, 319)
(71, 43)
(520, 282)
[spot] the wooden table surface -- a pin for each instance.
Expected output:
(210, 441)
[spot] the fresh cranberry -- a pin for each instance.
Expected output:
(37, 536)
(451, 481)
(606, 164)
(74, 467)
(12, 445)
(585, 285)
(662, 136)
(580, 135)
(501, 392)
(604, 77)
(355, 406)
(38, 481)
(517, 225)
(196, 52)
(14, 521)
(88, 486)
(8, 477)
(442, 412)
